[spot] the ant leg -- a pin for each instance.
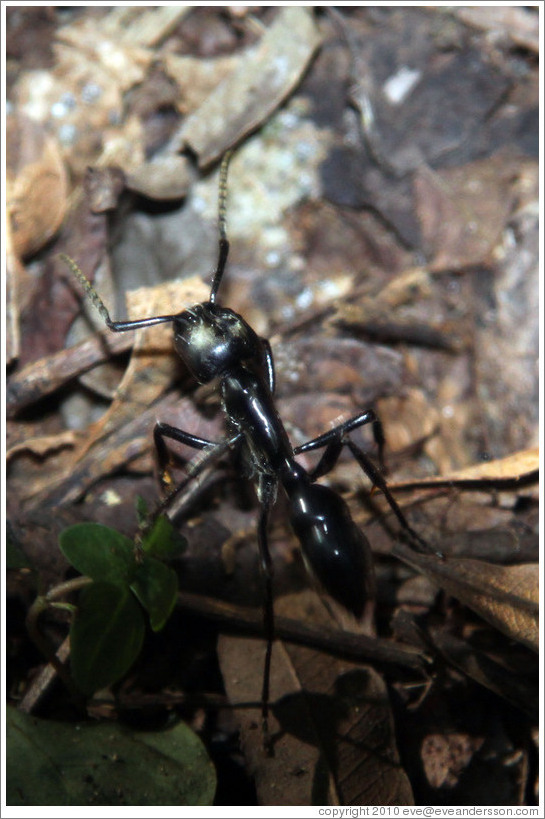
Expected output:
(328, 459)
(340, 431)
(266, 494)
(162, 431)
(269, 364)
(194, 470)
(378, 480)
(335, 439)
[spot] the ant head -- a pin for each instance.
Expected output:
(213, 340)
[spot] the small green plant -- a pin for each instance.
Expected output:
(108, 628)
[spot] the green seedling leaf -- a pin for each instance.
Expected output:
(54, 763)
(99, 552)
(164, 541)
(15, 557)
(141, 510)
(156, 587)
(106, 635)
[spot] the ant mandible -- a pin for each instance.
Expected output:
(216, 343)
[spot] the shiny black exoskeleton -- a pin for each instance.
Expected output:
(216, 343)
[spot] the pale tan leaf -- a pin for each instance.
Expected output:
(505, 596)
(153, 364)
(287, 778)
(262, 80)
(516, 467)
(37, 185)
(43, 444)
(463, 210)
(332, 713)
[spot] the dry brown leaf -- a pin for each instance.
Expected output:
(98, 59)
(197, 77)
(108, 455)
(43, 444)
(517, 467)
(165, 177)
(331, 713)
(262, 80)
(123, 434)
(462, 211)
(288, 778)
(145, 26)
(521, 25)
(37, 186)
(153, 364)
(505, 596)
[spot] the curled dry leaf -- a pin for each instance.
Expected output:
(36, 185)
(263, 79)
(165, 177)
(505, 596)
(43, 444)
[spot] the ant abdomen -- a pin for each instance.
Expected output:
(335, 550)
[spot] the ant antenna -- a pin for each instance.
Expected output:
(91, 293)
(222, 223)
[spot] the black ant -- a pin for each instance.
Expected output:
(217, 343)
